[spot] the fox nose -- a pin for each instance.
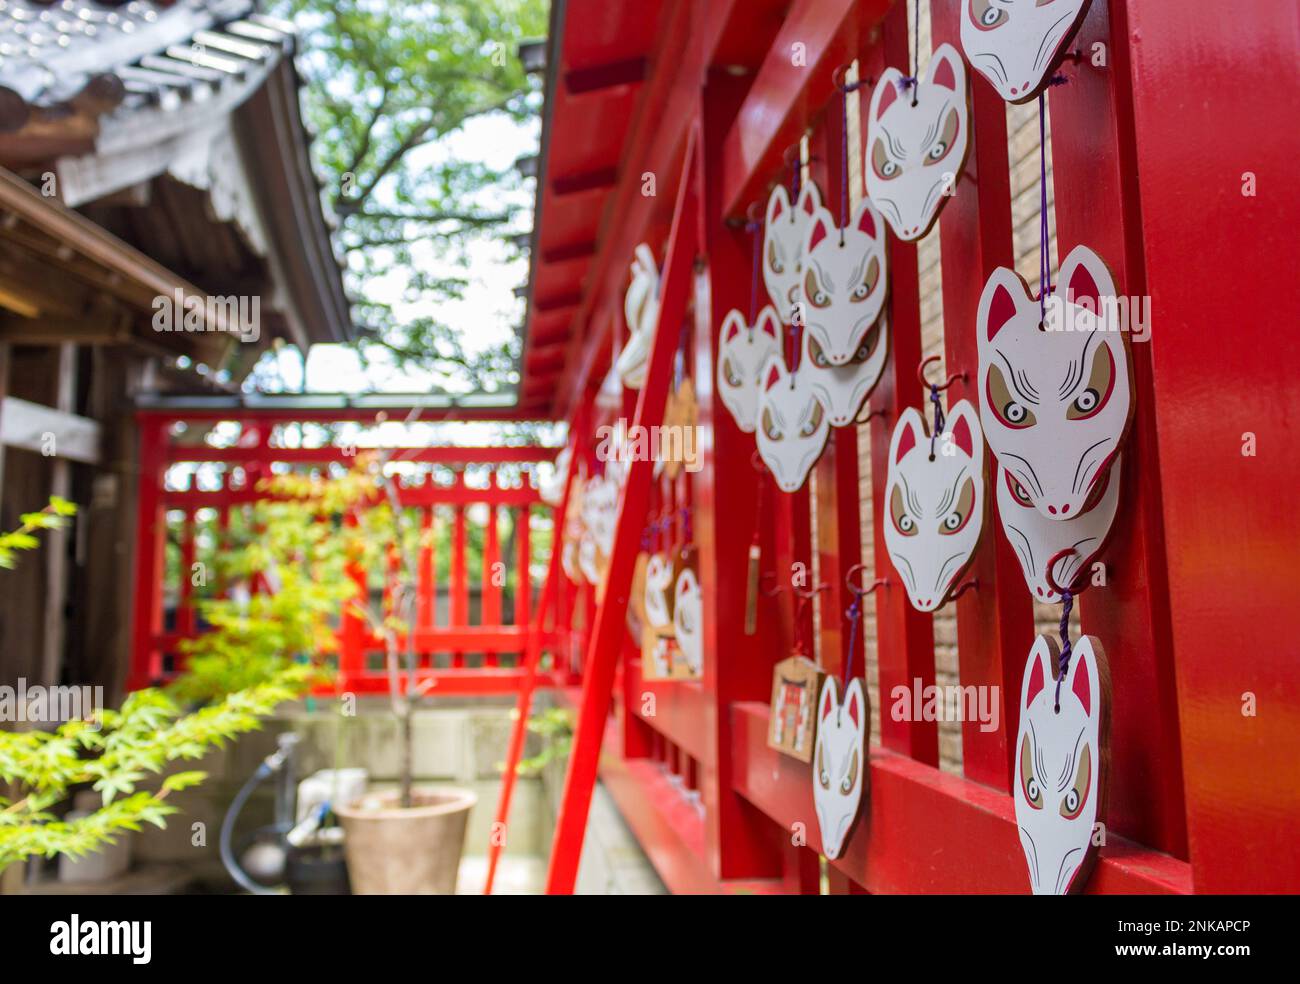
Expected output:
(1063, 510)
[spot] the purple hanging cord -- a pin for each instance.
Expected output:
(1063, 661)
(752, 228)
(938, 417)
(854, 615)
(909, 81)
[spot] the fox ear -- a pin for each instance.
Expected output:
(817, 230)
(810, 199)
(767, 322)
(731, 325)
(999, 304)
(1085, 676)
(773, 371)
(965, 430)
(1038, 669)
(1086, 279)
(865, 220)
(778, 203)
(830, 698)
(885, 93)
(946, 68)
(908, 433)
(856, 704)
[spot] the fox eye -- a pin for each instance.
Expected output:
(956, 520)
(729, 373)
(818, 356)
(1077, 795)
(1017, 491)
(1090, 402)
(1009, 411)
(985, 16)
(868, 284)
(769, 427)
(1028, 783)
(850, 777)
(773, 259)
(823, 776)
(947, 139)
(904, 523)
(868, 344)
(814, 422)
(881, 163)
(816, 296)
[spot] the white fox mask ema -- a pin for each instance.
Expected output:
(792, 424)
(784, 233)
(843, 389)
(916, 142)
(658, 588)
(742, 351)
(1055, 401)
(839, 762)
(641, 310)
(1014, 43)
(1037, 540)
(844, 281)
(687, 619)
(934, 508)
(1060, 765)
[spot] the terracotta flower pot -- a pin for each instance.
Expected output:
(415, 851)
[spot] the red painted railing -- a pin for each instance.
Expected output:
(471, 627)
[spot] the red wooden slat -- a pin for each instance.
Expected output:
(151, 538)
(905, 637)
(608, 630)
(1220, 268)
(1097, 205)
(523, 579)
(427, 584)
(994, 621)
(459, 585)
(443, 455)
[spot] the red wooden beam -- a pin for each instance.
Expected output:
(609, 625)
(1096, 170)
(793, 85)
(927, 831)
(424, 455)
(1217, 260)
(151, 539)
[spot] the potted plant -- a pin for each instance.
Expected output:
(405, 841)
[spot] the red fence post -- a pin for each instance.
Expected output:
(608, 628)
(151, 540)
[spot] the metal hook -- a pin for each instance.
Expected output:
(973, 583)
(854, 585)
(1051, 579)
(838, 76)
(920, 374)
(767, 592)
(810, 593)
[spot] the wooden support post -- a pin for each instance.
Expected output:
(608, 627)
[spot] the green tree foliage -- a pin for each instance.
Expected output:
(385, 80)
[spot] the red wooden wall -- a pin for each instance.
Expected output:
(1197, 791)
